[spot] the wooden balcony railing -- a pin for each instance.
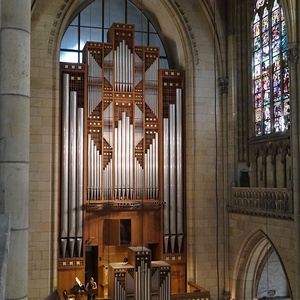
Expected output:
(196, 292)
(273, 202)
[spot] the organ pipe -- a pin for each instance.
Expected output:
(72, 171)
(65, 165)
(179, 167)
(131, 162)
(79, 184)
(172, 179)
(123, 153)
(119, 158)
(89, 144)
(123, 68)
(151, 167)
(116, 146)
(151, 81)
(65, 158)
(156, 166)
(166, 185)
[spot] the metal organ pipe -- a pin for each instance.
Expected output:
(147, 168)
(116, 60)
(127, 162)
(65, 164)
(94, 171)
(72, 172)
(179, 168)
(91, 166)
(116, 287)
(151, 80)
(94, 69)
(156, 175)
(116, 160)
(119, 158)
(139, 179)
(173, 190)
(148, 282)
(138, 76)
(172, 178)
(138, 283)
(168, 289)
(97, 173)
(131, 161)
(151, 167)
(79, 184)
(107, 180)
(95, 76)
(123, 68)
(89, 169)
(166, 185)
(122, 65)
(138, 137)
(123, 154)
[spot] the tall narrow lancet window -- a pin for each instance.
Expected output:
(270, 69)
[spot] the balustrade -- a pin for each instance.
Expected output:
(275, 202)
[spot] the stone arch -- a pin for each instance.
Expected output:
(252, 258)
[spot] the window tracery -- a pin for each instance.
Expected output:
(271, 82)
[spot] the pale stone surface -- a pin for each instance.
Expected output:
(4, 249)
(14, 138)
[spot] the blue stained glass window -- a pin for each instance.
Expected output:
(271, 82)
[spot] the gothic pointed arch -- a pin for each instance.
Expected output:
(255, 270)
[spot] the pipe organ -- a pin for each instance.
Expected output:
(140, 278)
(121, 159)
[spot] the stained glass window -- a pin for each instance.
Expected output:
(270, 69)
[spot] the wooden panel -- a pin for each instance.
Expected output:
(111, 232)
(66, 278)
(91, 229)
(178, 280)
(152, 227)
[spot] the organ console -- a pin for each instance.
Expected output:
(121, 167)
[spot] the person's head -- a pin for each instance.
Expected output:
(92, 279)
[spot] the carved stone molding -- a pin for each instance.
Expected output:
(189, 28)
(56, 21)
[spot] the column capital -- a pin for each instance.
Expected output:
(293, 52)
(223, 85)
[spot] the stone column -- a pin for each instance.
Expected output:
(14, 138)
(293, 56)
(223, 84)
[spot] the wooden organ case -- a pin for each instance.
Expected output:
(121, 163)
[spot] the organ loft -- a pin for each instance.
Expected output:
(122, 206)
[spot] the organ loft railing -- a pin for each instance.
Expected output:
(122, 141)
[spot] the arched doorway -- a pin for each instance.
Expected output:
(260, 272)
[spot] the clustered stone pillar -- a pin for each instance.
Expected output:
(14, 138)
(293, 56)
